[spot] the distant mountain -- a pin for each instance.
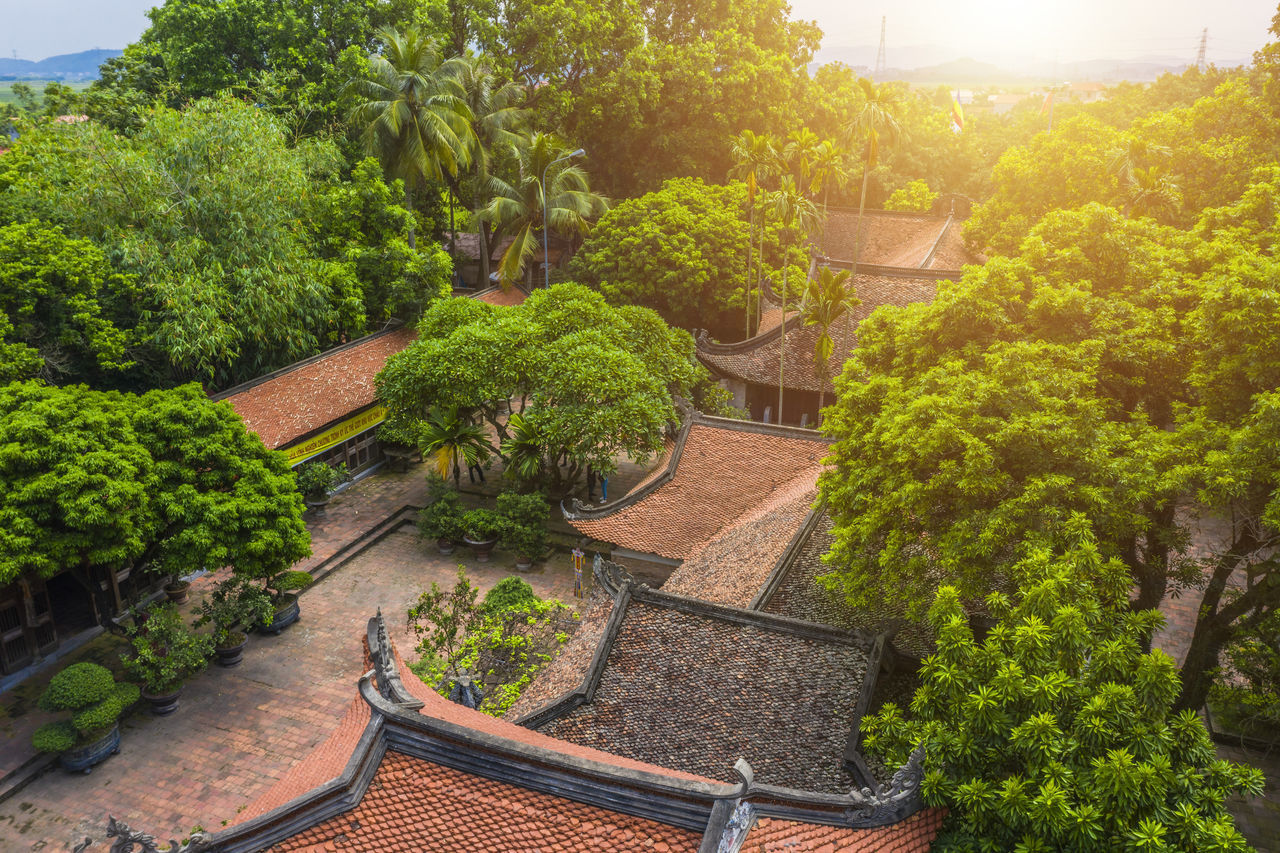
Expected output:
(75, 66)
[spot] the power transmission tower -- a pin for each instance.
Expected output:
(1204, 43)
(880, 64)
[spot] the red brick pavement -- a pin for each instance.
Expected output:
(240, 730)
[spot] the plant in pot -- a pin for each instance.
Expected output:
(177, 589)
(281, 588)
(316, 480)
(166, 652)
(96, 701)
(525, 531)
(398, 438)
(441, 521)
(481, 530)
(235, 603)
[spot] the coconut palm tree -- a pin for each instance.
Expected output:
(875, 122)
(412, 112)
(829, 168)
(827, 299)
(799, 152)
(1151, 191)
(754, 160)
(496, 115)
(797, 214)
(517, 208)
(449, 437)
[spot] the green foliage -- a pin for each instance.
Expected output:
(317, 479)
(166, 652)
(67, 308)
(1246, 695)
(483, 524)
(77, 687)
(525, 531)
(442, 519)
(448, 438)
(588, 381)
(288, 582)
(508, 594)
(1057, 731)
(234, 603)
(102, 716)
(58, 736)
(681, 251)
(500, 643)
(915, 196)
(168, 480)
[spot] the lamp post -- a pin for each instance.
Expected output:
(546, 262)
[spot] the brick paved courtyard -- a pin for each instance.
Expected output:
(239, 730)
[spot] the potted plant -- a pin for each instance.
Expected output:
(481, 529)
(96, 702)
(398, 438)
(316, 480)
(234, 603)
(177, 589)
(166, 652)
(441, 521)
(281, 589)
(525, 533)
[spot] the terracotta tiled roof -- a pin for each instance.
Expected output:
(890, 239)
(414, 805)
(951, 253)
(286, 405)
(732, 567)
(722, 473)
(685, 688)
(800, 596)
(916, 833)
(756, 361)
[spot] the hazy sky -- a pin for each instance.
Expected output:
(982, 29)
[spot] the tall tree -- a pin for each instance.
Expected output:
(798, 214)
(827, 298)
(829, 169)
(518, 208)
(754, 160)
(876, 121)
(413, 113)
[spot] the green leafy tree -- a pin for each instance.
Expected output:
(589, 381)
(754, 160)
(876, 121)
(168, 482)
(799, 216)
(1056, 731)
(517, 208)
(68, 309)
(915, 196)
(679, 251)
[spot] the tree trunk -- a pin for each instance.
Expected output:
(485, 251)
(782, 347)
(857, 250)
(751, 230)
(408, 205)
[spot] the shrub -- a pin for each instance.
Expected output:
(442, 519)
(507, 594)
(234, 602)
(1246, 697)
(482, 524)
(526, 529)
(166, 651)
(316, 479)
(97, 700)
(915, 196)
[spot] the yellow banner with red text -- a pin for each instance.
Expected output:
(336, 434)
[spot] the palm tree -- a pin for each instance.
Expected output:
(522, 450)
(412, 111)
(448, 437)
(799, 152)
(1151, 191)
(495, 115)
(877, 119)
(798, 214)
(829, 168)
(754, 160)
(517, 208)
(1137, 152)
(827, 298)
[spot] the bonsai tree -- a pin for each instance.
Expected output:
(1057, 730)
(510, 593)
(280, 587)
(316, 479)
(166, 652)
(234, 603)
(95, 701)
(525, 531)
